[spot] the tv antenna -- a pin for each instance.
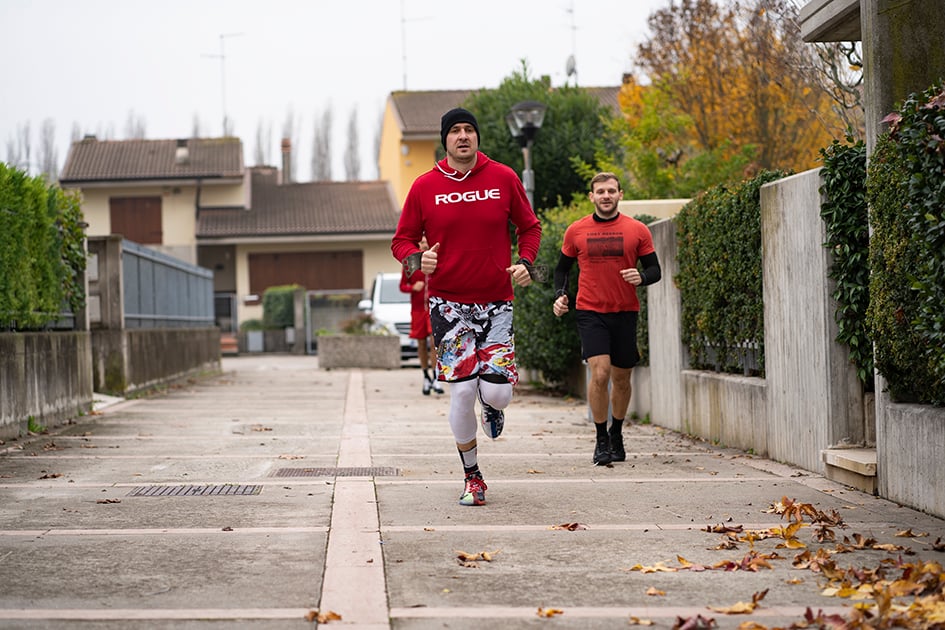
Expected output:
(222, 57)
(403, 39)
(570, 66)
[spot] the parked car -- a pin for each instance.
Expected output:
(390, 308)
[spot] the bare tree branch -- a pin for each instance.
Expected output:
(352, 151)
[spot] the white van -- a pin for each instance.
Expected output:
(390, 308)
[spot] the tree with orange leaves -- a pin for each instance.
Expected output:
(744, 78)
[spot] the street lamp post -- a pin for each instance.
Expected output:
(524, 121)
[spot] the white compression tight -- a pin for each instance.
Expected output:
(463, 394)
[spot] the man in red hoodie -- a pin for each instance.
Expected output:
(464, 205)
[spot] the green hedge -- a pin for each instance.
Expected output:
(643, 321)
(907, 285)
(845, 215)
(279, 306)
(720, 277)
(542, 341)
(42, 254)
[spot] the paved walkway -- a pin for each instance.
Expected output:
(255, 498)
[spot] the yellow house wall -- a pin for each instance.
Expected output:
(388, 153)
(377, 258)
(399, 161)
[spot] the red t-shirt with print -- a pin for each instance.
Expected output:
(602, 249)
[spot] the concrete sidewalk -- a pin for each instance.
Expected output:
(253, 499)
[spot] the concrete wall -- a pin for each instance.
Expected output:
(810, 398)
(725, 409)
(359, 351)
(910, 442)
(125, 361)
(815, 399)
(663, 377)
(44, 375)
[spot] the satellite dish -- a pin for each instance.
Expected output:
(570, 66)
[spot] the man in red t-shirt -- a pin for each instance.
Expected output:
(464, 205)
(607, 246)
(416, 286)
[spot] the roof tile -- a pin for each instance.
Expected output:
(93, 160)
(321, 208)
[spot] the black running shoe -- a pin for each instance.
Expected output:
(602, 453)
(616, 447)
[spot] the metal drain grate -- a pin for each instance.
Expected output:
(362, 471)
(229, 489)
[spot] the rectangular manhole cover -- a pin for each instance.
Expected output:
(355, 471)
(227, 489)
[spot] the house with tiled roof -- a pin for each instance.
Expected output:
(195, 200)
(151, 191)
(324, 236)
(410, 132)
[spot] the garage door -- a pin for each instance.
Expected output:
(312, 270)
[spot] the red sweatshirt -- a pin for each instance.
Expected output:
(469, 215)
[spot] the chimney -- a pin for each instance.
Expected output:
(182, 154)
(286, 161)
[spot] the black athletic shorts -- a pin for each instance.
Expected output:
(609, 333)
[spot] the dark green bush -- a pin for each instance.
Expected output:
(845, 214)
(252, 325)
(895, 255)
(42, 255)
(279, 306)
(720, 277)
(542, 341)
(918, 132)
(643, 323)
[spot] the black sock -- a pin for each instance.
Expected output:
(426, 374)
(601, 430)
(616, 426)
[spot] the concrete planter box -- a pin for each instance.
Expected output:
(359, 351)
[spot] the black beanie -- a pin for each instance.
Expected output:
(454, 116)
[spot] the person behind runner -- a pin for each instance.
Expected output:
(607, 246)
(463, 205)
(416, 286)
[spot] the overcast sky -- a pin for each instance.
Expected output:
(95, 63)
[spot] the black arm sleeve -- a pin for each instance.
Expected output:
(651, 271)
(562, 271)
